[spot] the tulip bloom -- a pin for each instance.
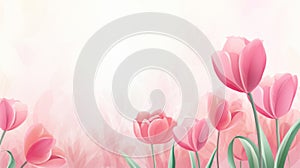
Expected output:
(12, 114)
(274, 99)
(191, 137)
(241, 63)
(40, 148)
(222, 114)
(155, 128)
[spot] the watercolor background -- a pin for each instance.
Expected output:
(40, 41)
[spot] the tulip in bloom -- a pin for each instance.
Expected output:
(241, 63)
(192, 137)
(224, 115)
(274, 99)
(40, 148)
(155, 128)
(12, 114)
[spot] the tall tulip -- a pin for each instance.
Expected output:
(40, 150)
(155, 128)
(12, 114)
(223, 115)
(274, 98)
(192, 137)
(240, 66)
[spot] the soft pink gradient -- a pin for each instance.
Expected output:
(193, 137)
(241, 63)
(275, 99)
(155, 128)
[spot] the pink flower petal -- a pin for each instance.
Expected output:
(181, 138)
(57, 159)
(235, 45)
(7, 115)
(20, 114)
(156, 130)
(223, 68)
(283, 93)
(252, 64)
(40, 151)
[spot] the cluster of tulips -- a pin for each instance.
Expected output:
(240, 66)
(39, 144)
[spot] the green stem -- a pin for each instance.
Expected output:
(23, 165)
(277, 133)
(218, 141)
(2, 137)
(153, 156)
(198, 159)
(241, 164)
(257, 128)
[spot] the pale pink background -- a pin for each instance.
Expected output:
(40, 41)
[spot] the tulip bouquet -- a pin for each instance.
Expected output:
(39, 145)
(239, 66)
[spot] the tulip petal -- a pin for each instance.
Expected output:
(7, 115)
(261, 99)
(157, 129)
(40, 151)
(180, 136)
(142, 116)
(20, 114)
(223, 116)
(235, 44)
(283, 93)
(35, 133)
(57, 159)
(252, 64)
(223, 68)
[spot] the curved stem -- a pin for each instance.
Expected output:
(257, 128)
(218, 141)
(2, 137)
(153, 156)
(23, 165)
(277, 133)
(198, 159)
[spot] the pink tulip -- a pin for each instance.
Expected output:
(40, 148)
(191, 137)
(275, 98)
(155, 128)
(224, 115)
(12, 114)
(241, 63)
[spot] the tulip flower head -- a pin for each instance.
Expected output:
(155, 128)
(192, 137)
(274, 98)
(40, 148)
(241, 63)
(12, 114)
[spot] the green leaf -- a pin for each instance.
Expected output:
(193, 163)
(130, 162)
(251, 151)
(285, 145)
(266, 150)
(12, 162)
(210, 162)
(172, 161)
